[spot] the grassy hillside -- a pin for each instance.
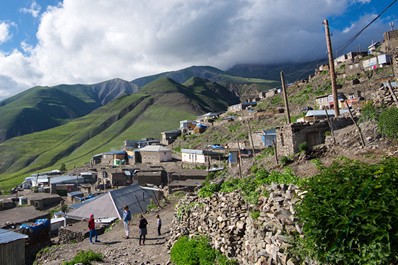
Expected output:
(158, 107)
(42, 108)
(209, 73)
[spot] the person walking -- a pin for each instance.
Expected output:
(93, 231)
(126, 221)
(143, 230)
(159, 223)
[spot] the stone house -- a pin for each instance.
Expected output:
(113, 158)
(157, 177)
(155, 154)
(290, 136)
(63, 184)
(169, 137)
(115, 177)
(188, 179)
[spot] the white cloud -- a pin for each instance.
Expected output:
(33, 9)
(4, 32)
(94, 40)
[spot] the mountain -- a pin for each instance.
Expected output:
(292, 71)
(209, 73)
(41, 108)
(157, 107)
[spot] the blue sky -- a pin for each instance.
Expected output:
(49, 42)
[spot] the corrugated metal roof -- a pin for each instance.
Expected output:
(111, 204)
(323, 112)
(9, 236)
(69, 179)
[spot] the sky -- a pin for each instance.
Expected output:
(52, 42)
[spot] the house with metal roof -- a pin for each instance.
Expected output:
(197, 156)
(155, 154)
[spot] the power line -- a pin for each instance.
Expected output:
(346, 44)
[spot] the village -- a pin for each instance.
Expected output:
(143, 173)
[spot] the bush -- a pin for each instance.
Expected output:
(196, 251)
(303, 147)
(388, 122)
(369, 112)
(84, 257)
(350, 214)
(285, 160)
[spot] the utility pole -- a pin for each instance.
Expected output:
(250, 136)
(331, 70)
(285, 98)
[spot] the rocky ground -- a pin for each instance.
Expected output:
(116, 249)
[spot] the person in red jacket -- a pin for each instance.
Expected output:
(91, 227)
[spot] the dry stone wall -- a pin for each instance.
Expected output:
(227, 220)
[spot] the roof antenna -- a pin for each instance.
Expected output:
(392, 25)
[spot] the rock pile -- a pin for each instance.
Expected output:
(384, 96)
(66, 235)
(239, 231)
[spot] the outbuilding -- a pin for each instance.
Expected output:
(12, 247)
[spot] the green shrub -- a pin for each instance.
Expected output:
(84, 257)
(196, 251)
(208, 190)
(255, 214)
(369, 112)
(350, 214)
(303, 147)
(285, 160)
(388, 122)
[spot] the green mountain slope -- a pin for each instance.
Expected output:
(41, 108)
(159, 106)
(209, 73)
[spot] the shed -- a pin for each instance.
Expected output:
(269, 137)
(12, 247)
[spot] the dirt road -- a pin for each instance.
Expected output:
(116, 249)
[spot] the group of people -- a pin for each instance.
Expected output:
(127, 217)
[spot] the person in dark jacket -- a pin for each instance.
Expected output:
(143, 231)
(159, 224)
(91, 227)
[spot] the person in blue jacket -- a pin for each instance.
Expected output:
(126, 221)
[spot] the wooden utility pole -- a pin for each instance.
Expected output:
(356, 125)
(331, 70)
(250, 136)
(239, 162)
(285, 98)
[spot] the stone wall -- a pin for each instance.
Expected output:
(383, 96)
(227, 220)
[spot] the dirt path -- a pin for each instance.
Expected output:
(116, 249)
